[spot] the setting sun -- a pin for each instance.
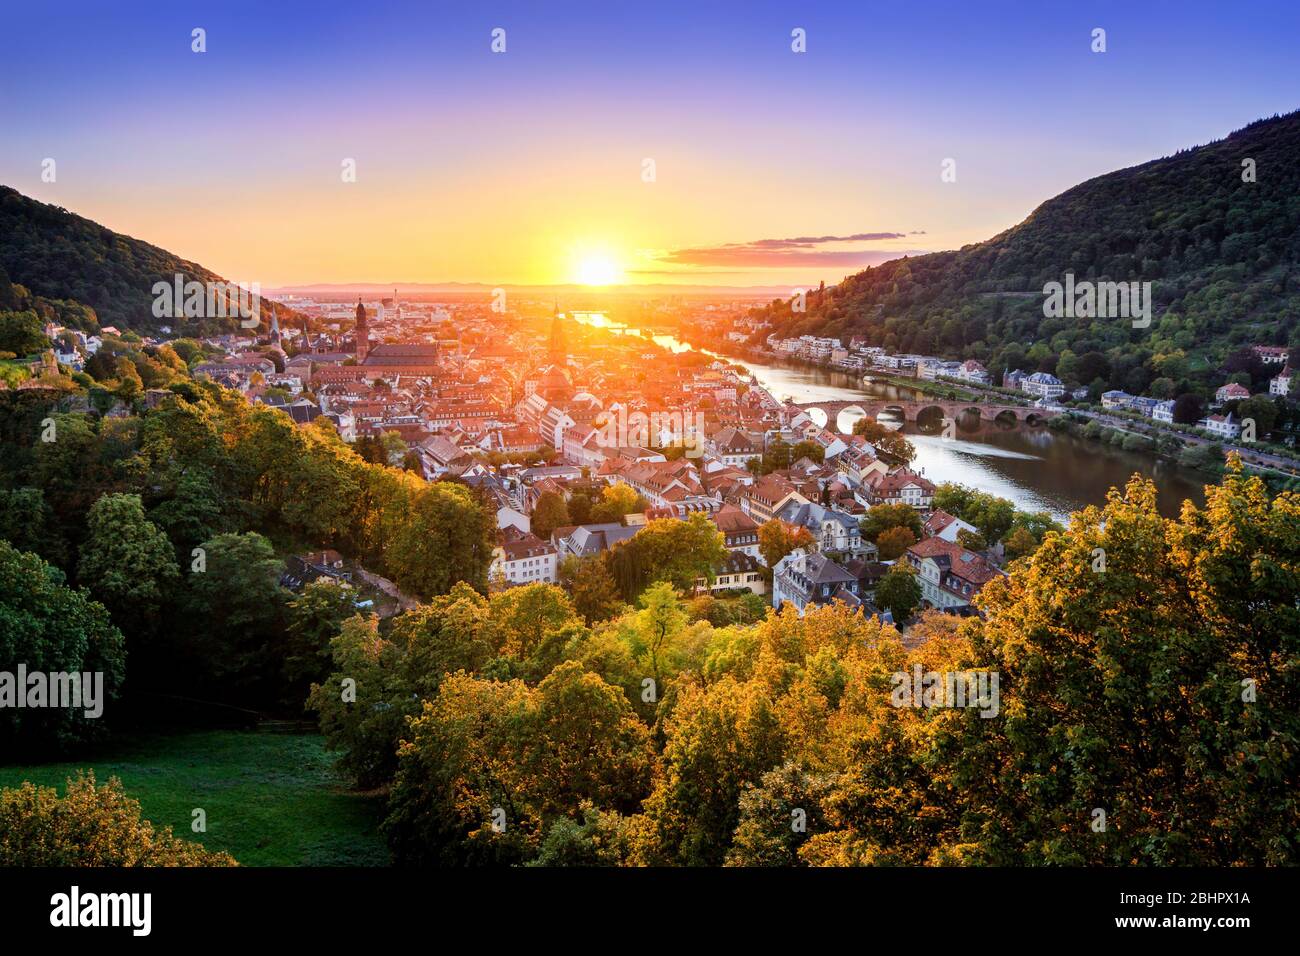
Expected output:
(598, 270)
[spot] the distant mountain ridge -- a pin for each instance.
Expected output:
(1223, 255)
(60, 255)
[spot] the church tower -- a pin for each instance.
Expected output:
(362, 333)
(557, 350)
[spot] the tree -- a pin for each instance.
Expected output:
(364, 704)
(1156, 689)
(394, 448)
(528, 614)
(126, 561)
(90, 826)
(971, 540)
(1019, 543)
(48, 627)
(718, 738)
(778, 816)
(1204, 457)
(314, 618)
(887, 441)
(807, 449)
(617, 500)
(658, 622)
(22, 333)
(990, 514)
(446, 536)
(881, 518)
(129, 383)
(593, 590)
(776, 539)
(667, 549)
(1261, 410)
(27, 522)
(899, 592)
(1188, 409)
(235, 606)
(894, 542)
(489, 766)
(549, 513)
(776, 456)
(602, 838)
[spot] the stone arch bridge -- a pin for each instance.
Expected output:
(912, 410)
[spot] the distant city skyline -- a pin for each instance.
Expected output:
(771, 168)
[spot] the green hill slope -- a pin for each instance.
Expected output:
(59, 255)
(1222, 255)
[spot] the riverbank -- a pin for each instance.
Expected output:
(1034, 467)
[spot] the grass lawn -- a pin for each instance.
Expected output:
(271, 799)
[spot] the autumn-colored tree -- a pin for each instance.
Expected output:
(718, 738)
(776, 539)
(617, 500)
(489, 765)
(881, 518)
(889, 442)
(592, 588)
(667, 549)
(1146, 673)
(894, 541)
(529, 614)
(89, 825)
(1019, 542)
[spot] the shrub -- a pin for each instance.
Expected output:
(89, 826)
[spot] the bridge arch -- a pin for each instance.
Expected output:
(891, 411)
(925, 413)
(844, 425)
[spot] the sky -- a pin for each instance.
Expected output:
(770, 167)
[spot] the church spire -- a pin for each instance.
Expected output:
(362, 333)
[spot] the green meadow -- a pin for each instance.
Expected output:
(271, 799)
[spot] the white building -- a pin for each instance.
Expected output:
(1042, 384)
(523, 558)
(1220, 426)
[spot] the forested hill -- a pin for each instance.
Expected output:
(1222, 255)
(58, 255)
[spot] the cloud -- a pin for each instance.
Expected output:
(794, 252)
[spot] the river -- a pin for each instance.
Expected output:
(1036, 468)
